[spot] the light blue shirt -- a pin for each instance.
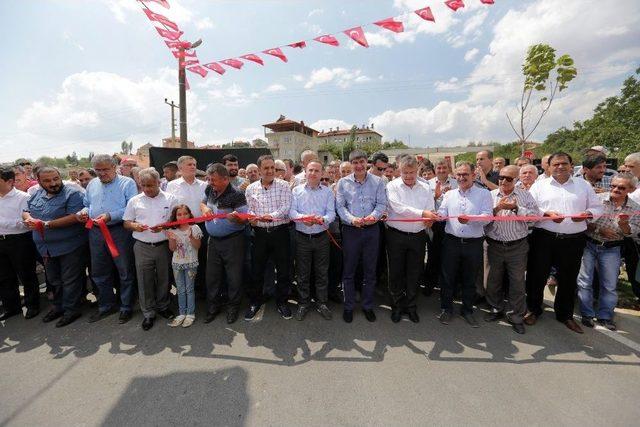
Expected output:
(312, 201)
(110, 198)
(360, 199)
(474, 201)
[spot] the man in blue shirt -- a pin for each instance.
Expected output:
(315, 204)
(61, 241)
(225, 253)
(361, 200)
(106, 199)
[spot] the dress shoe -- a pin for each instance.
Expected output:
(587, 321)
(493, 316)
(8, 314)
(67, 320)
(470, 319)
(369, 315)
(51, 316)
(212, 315)
(167, 314)
(251, 312)
(608, 323)
(347, 316)
(413, 316)
(124, 317)
(99, 315)
(31, 313)
(444, 317)
(147, 323)
(571, 324)
(396, 315)
(232, 315)
(324, 311)
(301, 312)
(285, 311)
(518, 327)
(530, 319)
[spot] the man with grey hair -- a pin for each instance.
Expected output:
(632, 163)
(143, 215)
(105, 200)
(527, 175)
(631, 246)
(306, 157)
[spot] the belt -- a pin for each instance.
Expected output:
(406, 233)
(560, 235)
(362, 227)
(13, 236)
(153, 244)
(311, 236)
(464, 240)
(271, 229)
(228, 236)
(610, 244)
(509, 243)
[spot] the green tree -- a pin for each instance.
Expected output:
(540, 85)
(395, 144)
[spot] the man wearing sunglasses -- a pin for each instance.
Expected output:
(605, 239)
(379, 163)
(507, 249)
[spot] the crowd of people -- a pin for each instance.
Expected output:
(484, 233)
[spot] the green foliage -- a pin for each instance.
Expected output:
(395, 144)
(336, 150)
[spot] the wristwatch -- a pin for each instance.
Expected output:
(46, 224)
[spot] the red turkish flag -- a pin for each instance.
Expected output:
(182, 54)
(198, 70)
(300, 45)
(162, 19)
(454, 4)
(186, 84)
(168, 34)
(487, 1)
(391, 25)
(163, 3)
(189, 62)
(426, 14)
(357, 35)
(177, 44)
(214, 66)
(328, 39)
(233, 63)
(254, 58)
(277, 52)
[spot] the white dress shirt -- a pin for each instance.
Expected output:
(449, 184)
(188, 194)
(12, 205)
(474, 201)
(408, 202)
(571, 198)
(635, 196)
(150, 211)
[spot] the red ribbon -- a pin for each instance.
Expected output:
(40, 228)
(106, 234)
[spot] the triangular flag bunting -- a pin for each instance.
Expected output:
(214, 66)
(162, 19)
(198, 70)
(357, 35)
(177, 44)
(454, 4)
(189, 62)
(277, 52)
(426, 14)
(183, 54)
(233, 63)
(391, 25)
(300, 45)
(254, 58)
(328, 39)
(168, 34)
(487, 1)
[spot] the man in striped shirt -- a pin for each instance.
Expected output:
(507, 249)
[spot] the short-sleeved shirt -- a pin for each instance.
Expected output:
(150, 211)
(185, 256)
(231, 199)
(58, 241)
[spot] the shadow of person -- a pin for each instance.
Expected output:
(186, 398)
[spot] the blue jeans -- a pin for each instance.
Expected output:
(607, 261)
(185, 282)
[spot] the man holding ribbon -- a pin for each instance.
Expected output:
(105, 201)
(61, 240)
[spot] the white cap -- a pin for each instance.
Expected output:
(603, 150)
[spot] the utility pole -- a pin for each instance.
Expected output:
(173, 118)
(183, 93)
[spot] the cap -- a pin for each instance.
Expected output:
(600, 148)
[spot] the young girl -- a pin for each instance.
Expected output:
(184, 242)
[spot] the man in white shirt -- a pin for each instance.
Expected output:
(559, 241)
(143, 214)
(462, 252)
(407, 198)
(631, 246)
(17, 254)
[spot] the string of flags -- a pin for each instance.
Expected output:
(182, 50)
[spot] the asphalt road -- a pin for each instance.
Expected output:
(317, 372)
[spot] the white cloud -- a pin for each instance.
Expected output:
(316, 12)
(276, 87)
(471, 54)
(67, 36)
(449, 86)
(327, 124)
(342, 77)
(204, 23)
(298, 77)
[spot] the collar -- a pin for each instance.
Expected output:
(226, 191)
(11, 193)
(569, 181)
(312, 188)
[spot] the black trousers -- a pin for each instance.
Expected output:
(272, 244)
(461, 261)
(18, 261)
(434, 256)
(312, 261)
(545, 251)
(405, 256)
(225, 259)
(631, 255)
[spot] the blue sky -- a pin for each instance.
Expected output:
(84, 75)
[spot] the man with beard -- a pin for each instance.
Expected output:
(61, 241)
(231, 163)
(85, 176)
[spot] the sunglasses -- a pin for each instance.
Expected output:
(381, 169)
(462, 175)
(619, 187)
(25, 164)
(281, 170)
(505, 178)
(325, 179)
